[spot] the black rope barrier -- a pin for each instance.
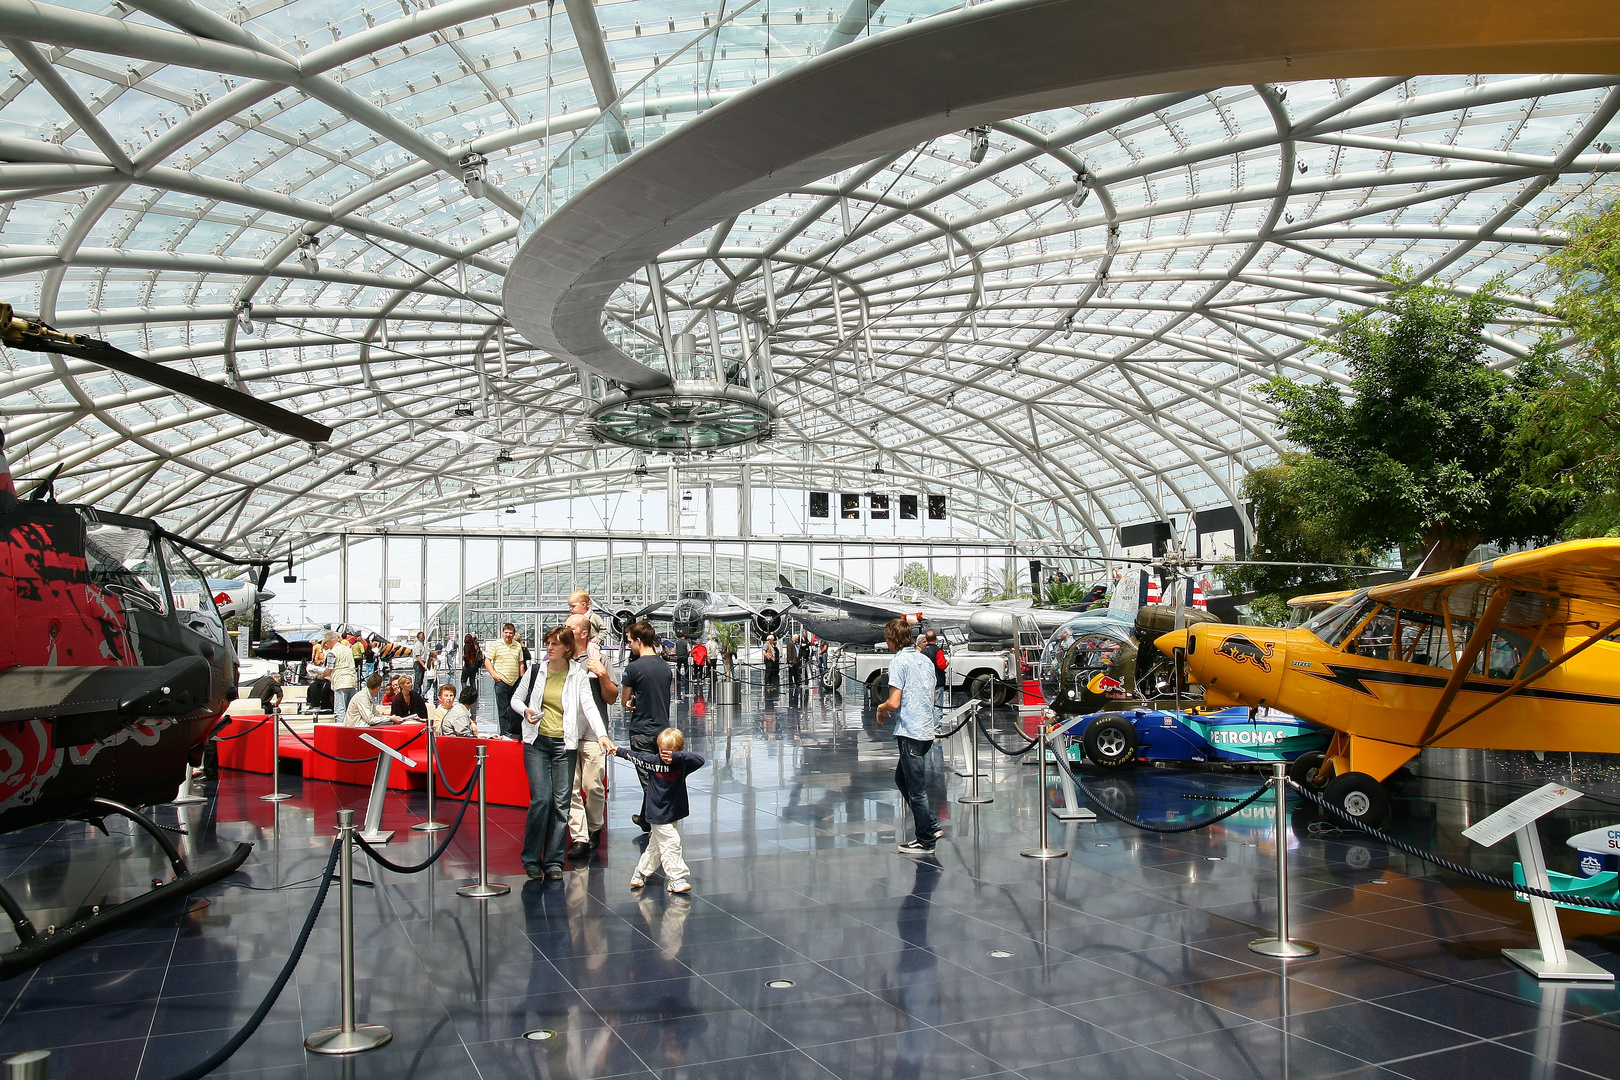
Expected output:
(348, 760)
(234, 1043)
(227, 738)
(378, 857)
(438, 765)
(984, 726)
(1099, 802)
(1446, 864)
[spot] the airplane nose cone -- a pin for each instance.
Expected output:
(1172, 640)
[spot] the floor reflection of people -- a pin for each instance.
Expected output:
(669, 980)
(585, 1043)
(918, 975)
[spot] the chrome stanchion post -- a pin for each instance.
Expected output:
(973, 797)
(485, 888)
(431, 824)
(1282, 946)
(276, 794)
(1044, 850)
(349, 1037)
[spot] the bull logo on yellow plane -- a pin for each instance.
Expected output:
(1240, 648)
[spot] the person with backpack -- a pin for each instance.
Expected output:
(700, 657)
(935, 652)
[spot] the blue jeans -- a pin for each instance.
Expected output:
(551, 785)
(507, 721)
(340, 703)
(908, 777)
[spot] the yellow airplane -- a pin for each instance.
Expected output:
(1519, 653)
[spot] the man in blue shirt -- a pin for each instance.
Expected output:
(911, 696)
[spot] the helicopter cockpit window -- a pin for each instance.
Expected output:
(124, 562)
(192, 597)
(1337, 621)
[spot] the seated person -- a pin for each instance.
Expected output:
(455, 717)
(269, 692)
(407, 703)
(364, 708)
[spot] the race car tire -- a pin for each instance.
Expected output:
(1111, 742)
(1359, 796)
(980, 681)
(1302, 770)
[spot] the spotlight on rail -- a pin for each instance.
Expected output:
(307, 247)
(1083, 183)
(244, 316)
(472, 173)
(978, 143)
(463, 409)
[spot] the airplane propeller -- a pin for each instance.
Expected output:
(36, 336)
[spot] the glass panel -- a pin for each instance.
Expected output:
(192, 597)
(122, 560)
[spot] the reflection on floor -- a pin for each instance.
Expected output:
(1126, 959)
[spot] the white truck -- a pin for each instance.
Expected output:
(971, 666)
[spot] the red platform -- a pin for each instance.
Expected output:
(508, 784)
(253, 747)
(343, 741)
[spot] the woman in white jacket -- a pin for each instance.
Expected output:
(558, 709)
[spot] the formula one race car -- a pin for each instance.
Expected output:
(1235, 736)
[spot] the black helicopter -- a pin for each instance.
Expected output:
(115, 667)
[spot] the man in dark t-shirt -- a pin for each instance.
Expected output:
(646, 682)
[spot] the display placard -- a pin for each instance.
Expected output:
(1520, 812)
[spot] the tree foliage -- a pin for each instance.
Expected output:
(918, 577)
(1572, 428)
(1002, 585)
(1063, 594)
(1424, 453)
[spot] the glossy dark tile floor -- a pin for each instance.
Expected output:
(1127, 959)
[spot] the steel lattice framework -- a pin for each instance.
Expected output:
(163, 162)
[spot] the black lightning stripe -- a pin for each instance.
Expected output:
(1356, 678)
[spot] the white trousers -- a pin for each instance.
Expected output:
(663, 846)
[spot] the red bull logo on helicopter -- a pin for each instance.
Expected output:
(1108, 686)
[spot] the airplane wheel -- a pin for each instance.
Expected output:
(1360, 796)
(876, 687)
(1303, 770)
(1110, 742)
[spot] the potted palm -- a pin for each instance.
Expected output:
(729, 635)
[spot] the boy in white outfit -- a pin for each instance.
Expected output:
(664, 774)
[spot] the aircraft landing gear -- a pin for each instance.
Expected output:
(1359, 796)
(35, 947)
(1305, 770)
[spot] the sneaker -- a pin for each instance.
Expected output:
(917, 847)
(637, 882)
(680, 887)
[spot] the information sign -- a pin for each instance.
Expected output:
(1520, 812)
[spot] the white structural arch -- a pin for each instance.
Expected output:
(1060, 370)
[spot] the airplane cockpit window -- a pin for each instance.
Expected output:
(1377, 636)
(192, 597)
(1423, 640)
(123, 561)
(1504, 657)
(1337, 621)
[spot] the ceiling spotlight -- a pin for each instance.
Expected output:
(463, 409)
(1083, 182)
(1068, 326)
(978, 143)
(504, 457)
(244, 316)
(511, 509)
(307, 246)
(1603, 148)
(472, 173)
(1303, 168)
(877, 470)
(641, 469)
(1113, 239)
(351, 471)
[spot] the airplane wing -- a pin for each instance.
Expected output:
(724, 607)
(1320, 600)
(1573, 586)
(869, 606)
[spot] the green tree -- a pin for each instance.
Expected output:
(1425, 453)
(1063, 594)
(729, 636)
(1571, 430)
(917, 577)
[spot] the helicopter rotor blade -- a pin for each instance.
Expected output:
(39, 337)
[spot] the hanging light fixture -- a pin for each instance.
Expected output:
(1083, 182)
(244, 316)
(307, 247)
(978, 143)
(472, 173)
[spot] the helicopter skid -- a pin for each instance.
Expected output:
(39, 946)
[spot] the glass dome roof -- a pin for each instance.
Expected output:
(1094, 364)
